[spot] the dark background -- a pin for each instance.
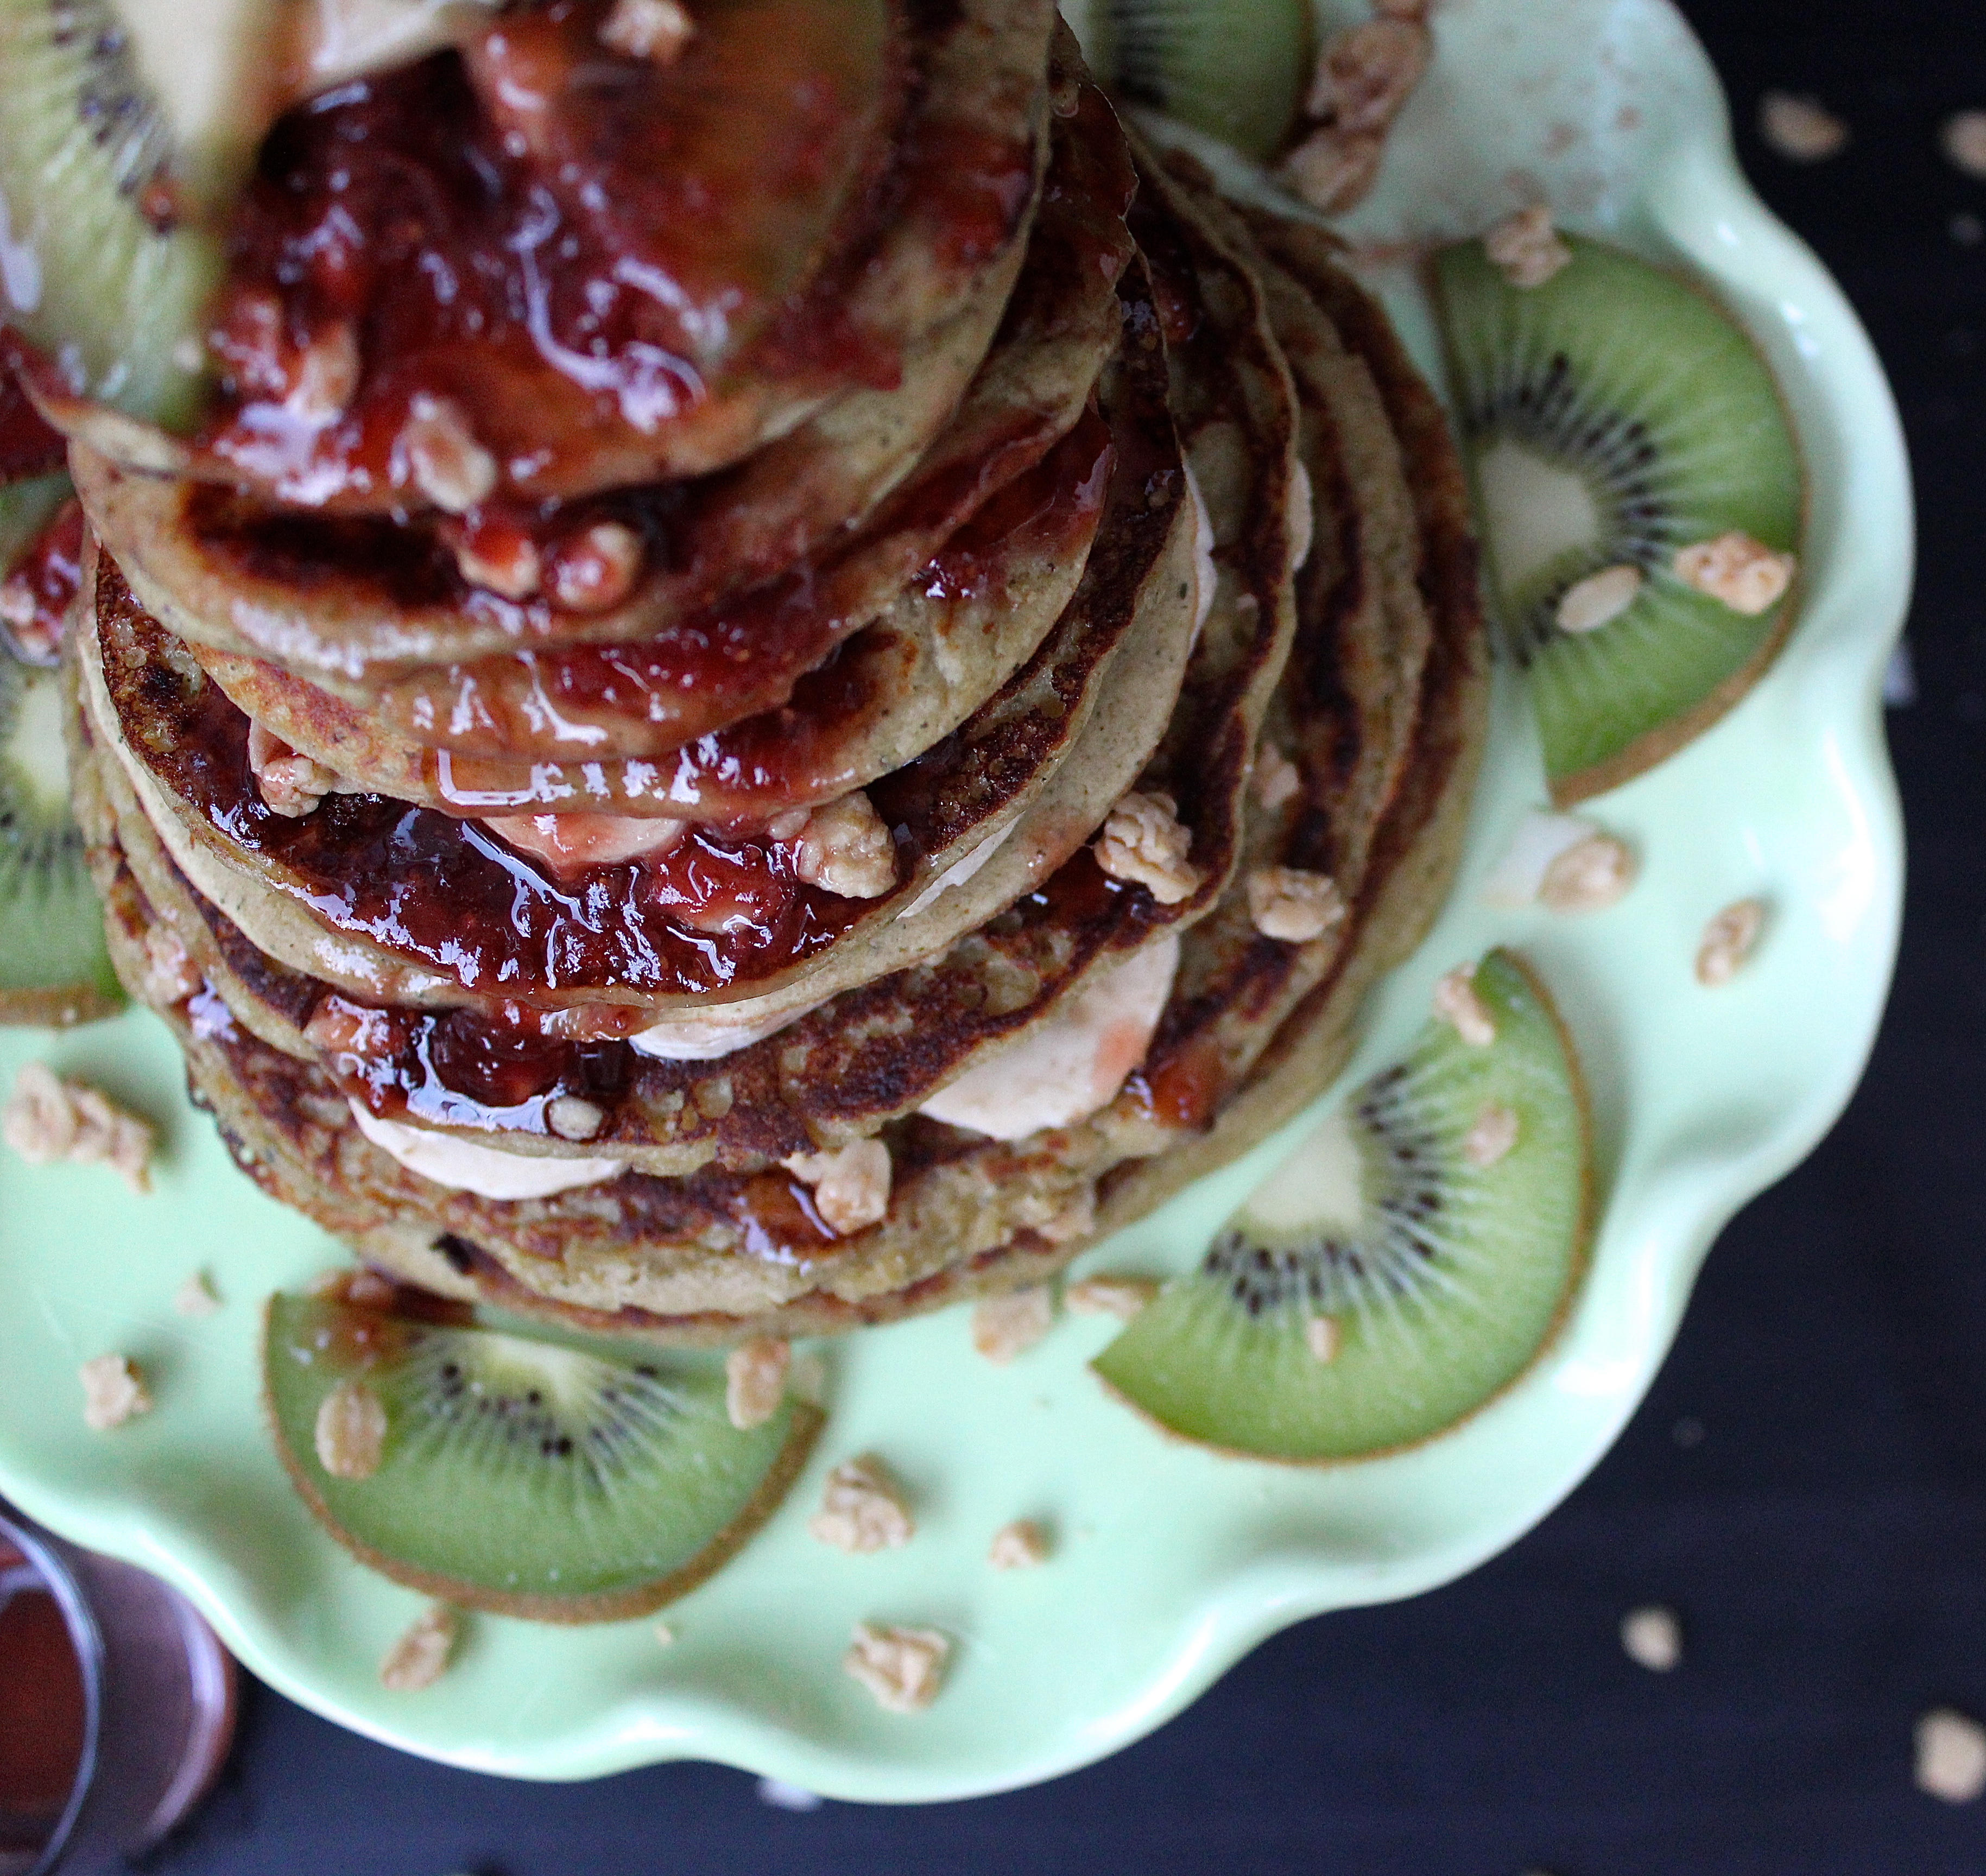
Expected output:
(1807, 1485)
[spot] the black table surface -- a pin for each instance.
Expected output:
(1806, 1485)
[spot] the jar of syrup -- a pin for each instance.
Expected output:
(116, 1707)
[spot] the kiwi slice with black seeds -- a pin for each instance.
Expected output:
(1236, 69)
(1406, 1265)
(54, 967)
(518, 1475)
(112, 246)
(1610, 417)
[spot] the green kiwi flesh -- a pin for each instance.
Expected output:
(54, 967)
(1444, 1279)
(110, 263)
(520, 1475)
(1611, 416)
(1236, 69)
(26, 507)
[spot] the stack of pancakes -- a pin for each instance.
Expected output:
(770, 945)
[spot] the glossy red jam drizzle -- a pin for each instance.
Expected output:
(38, 591)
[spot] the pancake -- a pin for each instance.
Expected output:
(933, 113)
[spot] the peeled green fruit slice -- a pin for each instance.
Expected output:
(54, 965)
(516, 1474)
(1404, 1266)
(1610, 417)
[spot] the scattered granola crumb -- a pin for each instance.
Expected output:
(1077, 1218)
(1950, 1755)
(863, 1509)
(171, 976)
(1743, 574)
(1492, 1136)
(572, 1116)
(1652, 1637)
(1292, 905)
(1588, 876)
(1145, 842)
(438, 451)
(596, 569)
(755, 1381)
(420, 1657)
(1599, 599)
(845, 849)
(1525, 248)
(1276, 778)
(851, 1185)
(1021, 1546)
(291, 785)
(1005, 1327)
(666, 1637)
(903, 1668)
(1963, 138)
(656, 30)
(1324, 1336)
(1455, 998)
(1333, 170)
(1729, 941)
(1802, 130)
(113, 1391)
(49, 1119)
(1120, 1296)
(195, 1296)
(351, 1431)
(1366, 72)
(501, 559)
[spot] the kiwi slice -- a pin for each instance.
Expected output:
(1406, 1266)
(110, 237)
(26, 508)
(1236, 68)
(1610, 417)
(524, 1476)
(54, 967)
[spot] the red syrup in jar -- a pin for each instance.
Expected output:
(43, 1711)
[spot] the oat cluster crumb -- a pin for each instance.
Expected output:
(666, 1637)
(1456, 1001)
(1005, 1327)
(421, 1656)
(438, 451)
(1365, 75)
(1950, 1761)
(1963, 138)
(1652, 1638)
(171, 976)
(1076, 1219)
(1736, 571)
(656, 30)
(1491, 1135)
(1292, 905)
(1729, 941)
(902, 1668)
(195, 1296)
(49, 1120)
(1590, 876)
(1276, 778)
(350, 1432)
(573, 1118)
(844, 848)
(291, 785)
(755, 1381)
(114, 1392)
(1525, 247)
(1021, 1545)
(1120, 1296)
(20, 613)
(1324, 1336)
(1802, 130)
(863, 1509)
(1145, 843)
(851, 1185)
(1599, 599)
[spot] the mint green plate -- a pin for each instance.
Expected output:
(1169, 1564)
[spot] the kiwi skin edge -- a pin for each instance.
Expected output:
(1657, 745)
(1582, 1259)
(57, 1006)
(619, 1605)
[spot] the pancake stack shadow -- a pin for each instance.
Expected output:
(853, 843)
